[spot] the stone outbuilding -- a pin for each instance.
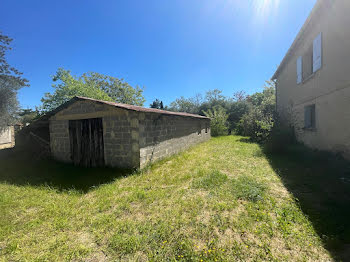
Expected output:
(91, 132)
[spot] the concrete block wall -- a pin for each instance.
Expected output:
(59, 140)
(163, 135)
(121, 143)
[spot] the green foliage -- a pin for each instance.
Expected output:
(11, 81)
(258, 122)
(119, 90)
(157, 104)
(28, 116)
(256, 125)
(248, 115)
(189, 105)
(214, 98)
(92, 85)
(218, 123)
(281, 136)
(237, 110)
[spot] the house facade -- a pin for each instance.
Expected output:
(313, 80)
(91, 132)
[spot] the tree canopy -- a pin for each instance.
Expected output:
(11, 81)
(250, 115)
(158, 104)
(92, 85)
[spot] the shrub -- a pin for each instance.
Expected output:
(259, 120)
(256, 125)
(281, 136)
(218, 124)
(235, 113)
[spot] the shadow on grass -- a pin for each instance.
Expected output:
(246, 140)
(321, 183)
(19, 168)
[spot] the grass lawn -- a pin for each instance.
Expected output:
(223, 200)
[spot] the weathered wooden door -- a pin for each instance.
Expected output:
(86, 142)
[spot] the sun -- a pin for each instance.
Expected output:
(264, 8)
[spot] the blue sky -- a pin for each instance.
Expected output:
(172, 48)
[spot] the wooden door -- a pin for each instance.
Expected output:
(86, 141)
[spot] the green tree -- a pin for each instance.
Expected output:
(11, 81)
(92, 85)
(235, 112)
(218, 123)
(28, 115)
(259, 120)
(119, 90)
(157, 104)
(214, 98)
(189, 105)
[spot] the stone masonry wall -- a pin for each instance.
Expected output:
(163, 135)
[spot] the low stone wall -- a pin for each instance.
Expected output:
(162, 135)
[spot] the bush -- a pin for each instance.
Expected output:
(218, 124)
(235, 113)
(282, 135)
(256, 125)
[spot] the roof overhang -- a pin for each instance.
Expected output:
(119, 105)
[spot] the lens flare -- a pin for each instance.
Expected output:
(264, 8)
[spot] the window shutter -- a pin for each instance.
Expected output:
(307, 117)
(313, 116)
(317, 53)
(299, 70)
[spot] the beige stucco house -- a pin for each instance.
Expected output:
(313, 80)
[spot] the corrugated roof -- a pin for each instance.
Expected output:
(125, 106)
(318, 5)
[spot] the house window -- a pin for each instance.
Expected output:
(311, 61)
(310, 117)
(308, 63)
